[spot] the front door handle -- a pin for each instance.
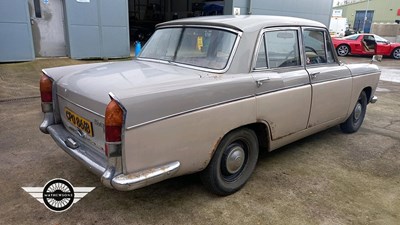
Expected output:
(261, 81)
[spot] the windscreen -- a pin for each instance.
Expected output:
(201, 47)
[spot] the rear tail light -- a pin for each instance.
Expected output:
(46, 86)
(113, 122)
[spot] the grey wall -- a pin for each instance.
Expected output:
(15, 31)
(97, 28)
(319, 10)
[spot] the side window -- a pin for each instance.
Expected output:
(282, 48)
(261, 57)
(314, 47)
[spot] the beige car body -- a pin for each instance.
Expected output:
(281, 105)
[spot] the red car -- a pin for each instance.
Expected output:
(366, 44)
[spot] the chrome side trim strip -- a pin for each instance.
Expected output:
(188, 111)
(363, 74)
(145, 177)
(282, 89)
(91, 111)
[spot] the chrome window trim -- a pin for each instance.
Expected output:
(257, 48)
(230, 59)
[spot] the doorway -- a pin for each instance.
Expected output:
(47, 21)
(359, 21)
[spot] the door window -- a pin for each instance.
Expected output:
(279, 49)
(314, 46)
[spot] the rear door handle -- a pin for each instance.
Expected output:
(314, 75)
(261, 81)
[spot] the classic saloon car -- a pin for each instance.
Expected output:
(204, 95)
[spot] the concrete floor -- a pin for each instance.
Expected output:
(327, 178)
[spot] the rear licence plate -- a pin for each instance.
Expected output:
(79, 122)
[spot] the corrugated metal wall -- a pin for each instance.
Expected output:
(97, 28)
(320, 10)
(15, 31)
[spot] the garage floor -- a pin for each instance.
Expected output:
(327, 178)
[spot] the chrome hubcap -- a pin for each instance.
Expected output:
(357, 111)
(235, 159)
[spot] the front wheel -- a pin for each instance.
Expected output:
(232, 163)
(396, 53)
(343, 50)
(353, 123)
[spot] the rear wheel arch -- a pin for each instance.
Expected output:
(368, 92)
(261, 129)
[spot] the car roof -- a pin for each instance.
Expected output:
(247, 23)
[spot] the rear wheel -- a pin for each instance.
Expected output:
(232, 163)
(396, 53)
(353, 123)
(343, 50)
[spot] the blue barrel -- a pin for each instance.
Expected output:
(138, 48)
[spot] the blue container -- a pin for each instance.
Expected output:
(138, 48)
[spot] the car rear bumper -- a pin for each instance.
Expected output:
(109, 169)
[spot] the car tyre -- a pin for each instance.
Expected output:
(353, 123)
(343, 50)
(232, 163)
(396, 53)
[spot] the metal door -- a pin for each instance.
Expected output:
(97, 28)
(47, 19)
(359, 21)
(331, 82)
(15, 31)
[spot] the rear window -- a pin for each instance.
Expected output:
(202, 47)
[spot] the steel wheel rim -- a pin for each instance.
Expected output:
(234, 161)
(357, 111)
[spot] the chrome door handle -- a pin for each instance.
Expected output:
(314, 75)
(261, 81)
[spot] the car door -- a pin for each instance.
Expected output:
(331, 82)
(383, 46)
(283, 90)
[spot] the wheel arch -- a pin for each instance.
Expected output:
(368, 92)
(262, 131)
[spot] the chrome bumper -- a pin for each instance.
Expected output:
(373, 99)
(109, 169)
